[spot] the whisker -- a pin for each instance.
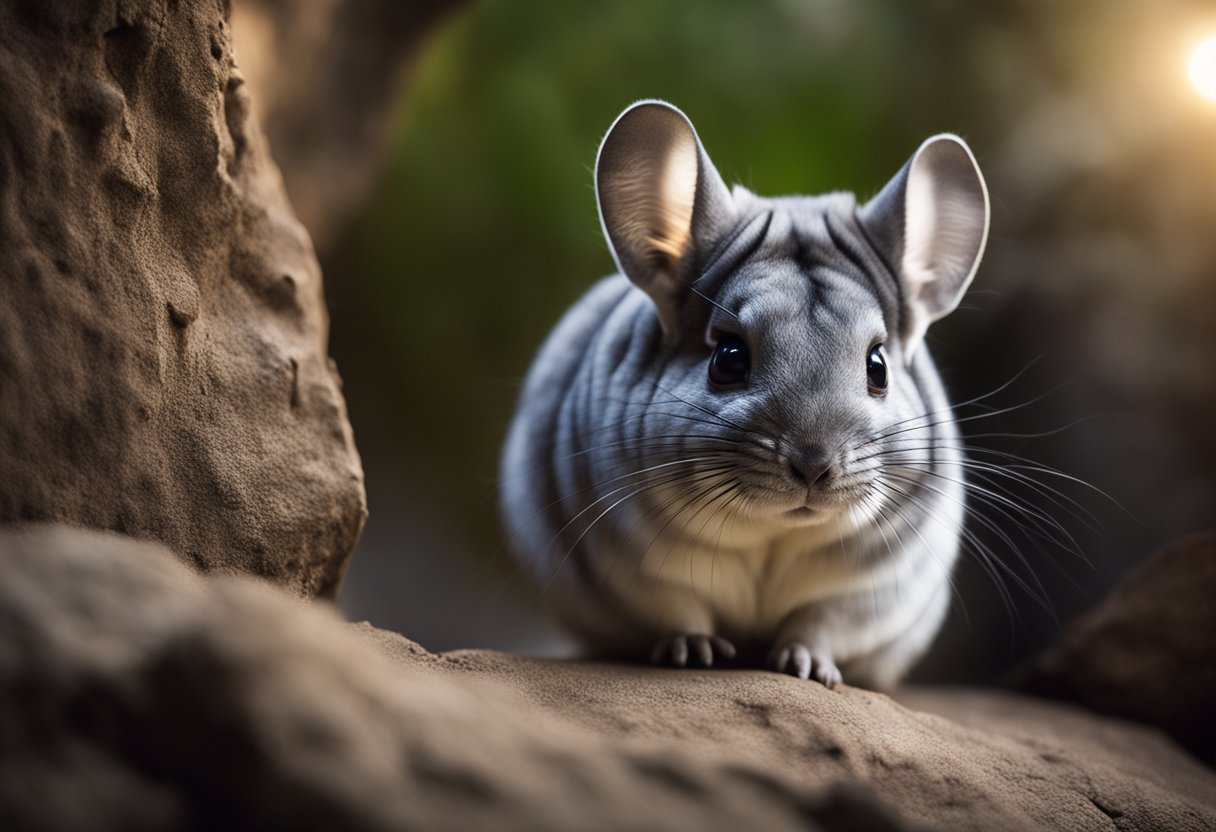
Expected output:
(972, 401)
(588, 528)
(598, 485)
(721, 419)
(663, 562)
(668, 478)
(987, 415)
(723, 500)
(984, 556)
(1039, 595)
(998, 501)
(969, 450)
(930, 549)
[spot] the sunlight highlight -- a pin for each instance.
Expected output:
(1202, 68)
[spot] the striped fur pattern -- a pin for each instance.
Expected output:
(665, 517)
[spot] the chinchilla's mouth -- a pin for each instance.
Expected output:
(816, 504)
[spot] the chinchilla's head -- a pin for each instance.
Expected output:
(791, 354)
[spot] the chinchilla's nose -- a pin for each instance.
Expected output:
(810, 465)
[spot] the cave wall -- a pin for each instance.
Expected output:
(163, 334)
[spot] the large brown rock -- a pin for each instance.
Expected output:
(1148, 651)
(134, 695)
(163, 366)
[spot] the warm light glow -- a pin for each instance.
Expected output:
(1202, 68)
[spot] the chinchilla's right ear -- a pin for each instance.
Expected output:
(662, 204)
(931, 222)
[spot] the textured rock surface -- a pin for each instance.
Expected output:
(163, 366)
(1149, 650)
(135, 695)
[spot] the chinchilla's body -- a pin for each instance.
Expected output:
(741, 442)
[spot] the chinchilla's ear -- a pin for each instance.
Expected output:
(931, 222)
(662, 204)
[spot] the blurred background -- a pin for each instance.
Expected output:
(441, 154)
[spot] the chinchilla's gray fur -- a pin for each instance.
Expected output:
(804, 515)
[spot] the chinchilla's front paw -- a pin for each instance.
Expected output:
(678, 649)
(796, 659)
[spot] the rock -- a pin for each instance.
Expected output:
(1147, 652)
(135, 695)
(163, 332)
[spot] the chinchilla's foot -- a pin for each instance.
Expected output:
(796, 659)
(683, 649)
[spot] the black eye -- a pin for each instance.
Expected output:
(876, 370)
(729, 363)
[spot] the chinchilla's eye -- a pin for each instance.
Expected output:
(876, 370)
(729, 363)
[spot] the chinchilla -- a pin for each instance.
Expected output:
(740, 444)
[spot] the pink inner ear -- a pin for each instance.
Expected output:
(653, 195)
(946, 226)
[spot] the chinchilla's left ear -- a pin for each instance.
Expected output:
(931, 223)
(662, 203)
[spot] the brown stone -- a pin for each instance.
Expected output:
(135, 695)
(163, 332)
(1148, 651)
